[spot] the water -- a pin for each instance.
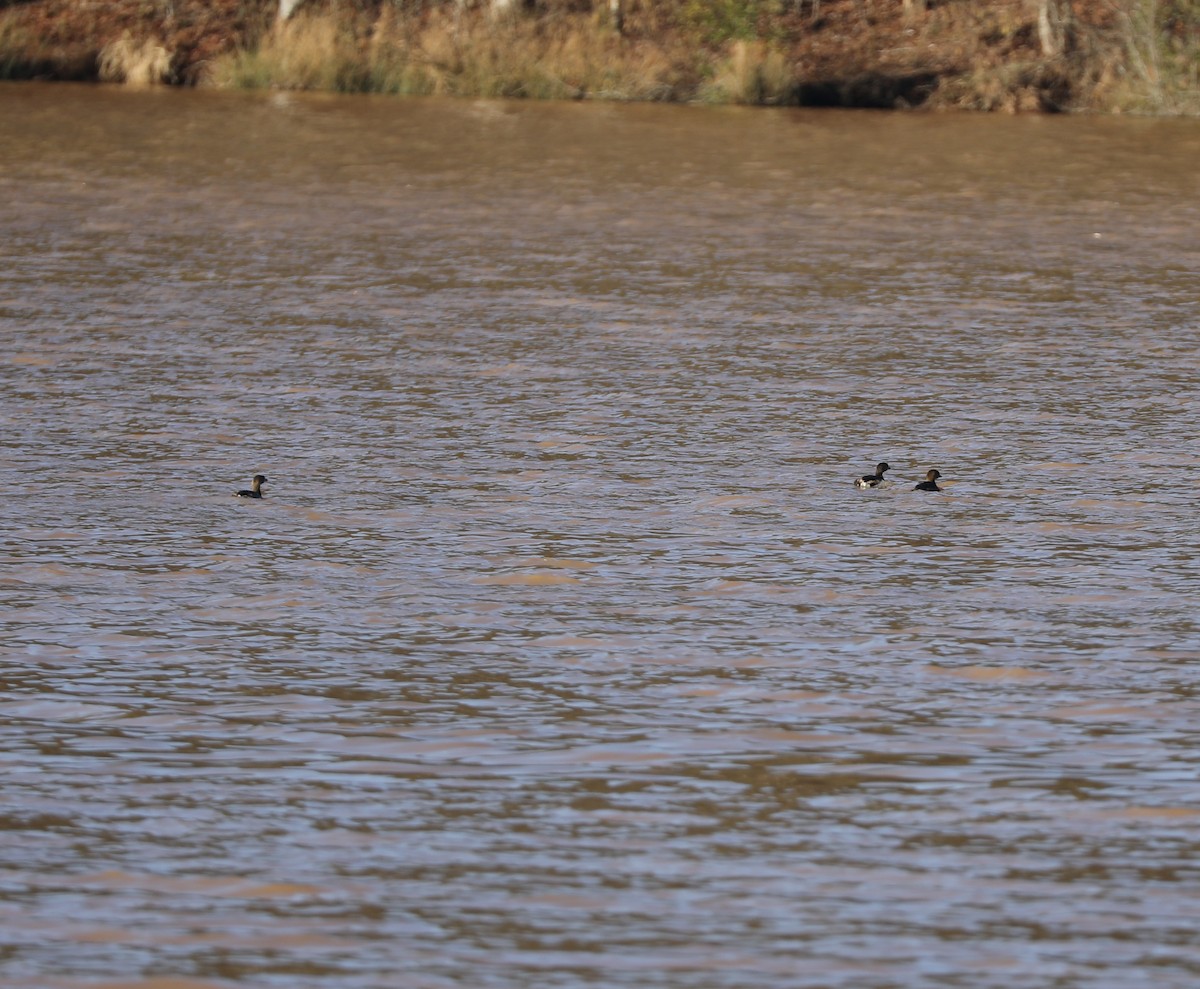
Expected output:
(562, 651)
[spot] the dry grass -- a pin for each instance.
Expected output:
(1008, 87)
(568, 57)
(1142, 56)
(16, 47)
(308, 52)
(571, 56)
(1160, 70)
(1123, 55)
(753, 72)
(26, 53)
(135, 63)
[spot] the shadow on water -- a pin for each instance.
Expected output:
(870, 91)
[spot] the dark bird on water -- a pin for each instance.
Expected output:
(930, 482)
(255, 488)
(872, 480)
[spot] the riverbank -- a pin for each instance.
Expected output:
(1009, 55)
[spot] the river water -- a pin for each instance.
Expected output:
(562, 651)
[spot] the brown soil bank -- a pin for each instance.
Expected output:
(1013, 55)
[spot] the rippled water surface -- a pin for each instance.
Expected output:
(562, 651)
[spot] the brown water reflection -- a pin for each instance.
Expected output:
(562, 651)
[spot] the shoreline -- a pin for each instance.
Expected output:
(1015, 56)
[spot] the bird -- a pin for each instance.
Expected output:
(930, 482)
(872, 480)
(255, 487)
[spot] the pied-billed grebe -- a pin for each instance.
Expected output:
(872, 480)
(255, 489)
(930, 482)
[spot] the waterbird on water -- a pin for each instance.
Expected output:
(930, 482)
(872, 480)
(255, 487)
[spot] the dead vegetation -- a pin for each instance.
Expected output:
(1007, 55)
(141, 62)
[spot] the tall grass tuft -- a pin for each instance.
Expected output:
(307, 52)
(135, 63)
(753, 72)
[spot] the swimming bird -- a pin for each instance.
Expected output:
(872, 480)
(255, 488)
(930, 482)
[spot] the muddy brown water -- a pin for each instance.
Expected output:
(562, 651)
